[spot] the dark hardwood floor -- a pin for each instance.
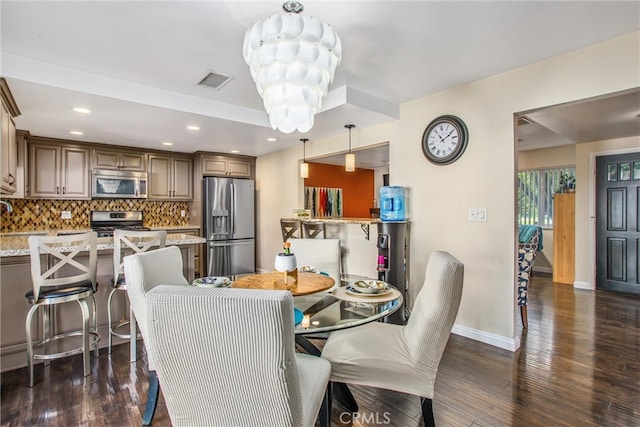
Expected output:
(579, 365)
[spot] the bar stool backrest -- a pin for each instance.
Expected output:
(127, 242)
(313, 230)
(62, 251)
(291, 229)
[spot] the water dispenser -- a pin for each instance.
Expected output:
(393, 262)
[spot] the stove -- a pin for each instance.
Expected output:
(104, 222)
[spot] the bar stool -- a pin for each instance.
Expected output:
(60, 254)
(314, 229)
(291, 228)
(127, 242)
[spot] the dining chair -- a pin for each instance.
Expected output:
(323, 254)
(126, 242)
(226, 357)
(58, 277)
(291, 229)
(403, 358)
(529, 243)
(144, 271)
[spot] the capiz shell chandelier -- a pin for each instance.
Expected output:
(292, 59)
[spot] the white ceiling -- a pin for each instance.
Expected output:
(135, 63)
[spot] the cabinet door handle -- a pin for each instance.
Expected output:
(57, 189)
(64, 190)
(13, 179)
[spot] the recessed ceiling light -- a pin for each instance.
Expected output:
(235, 151)
(193, 127)
(81, 110)
(271, 139)
(76, 132)
(167, 143)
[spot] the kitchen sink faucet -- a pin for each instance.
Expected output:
(9, 208)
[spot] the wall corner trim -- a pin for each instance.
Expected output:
(583, 285)
(511, 344)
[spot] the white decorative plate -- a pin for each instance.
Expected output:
(212, 282)
(368, 286)
(351, 291)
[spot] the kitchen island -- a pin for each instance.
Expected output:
(15, 282)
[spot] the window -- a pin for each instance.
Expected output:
(535, 195)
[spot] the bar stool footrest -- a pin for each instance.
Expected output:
(122, 335)
(60, 341)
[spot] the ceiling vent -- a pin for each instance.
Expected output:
(214, 80)
(524, 121)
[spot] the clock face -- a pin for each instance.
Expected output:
(444, 140)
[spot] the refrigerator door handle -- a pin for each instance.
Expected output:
(232, 227)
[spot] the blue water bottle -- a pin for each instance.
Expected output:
(392, 203)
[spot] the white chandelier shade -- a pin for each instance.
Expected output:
(292, 60)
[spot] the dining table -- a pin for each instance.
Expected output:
(341, 308)
(323, 308)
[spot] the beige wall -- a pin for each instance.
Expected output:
(440, 196)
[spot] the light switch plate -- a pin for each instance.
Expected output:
(183, 213)
(65, 215)
(477, 214)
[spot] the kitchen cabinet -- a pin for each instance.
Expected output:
(8, 141)
(564, 219)
(170, 178)
(58, 171)
(227, 166)
(119, 160)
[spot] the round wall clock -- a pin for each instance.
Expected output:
(444, 140)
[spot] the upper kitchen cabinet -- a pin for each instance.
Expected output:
(237, 167)
(170, 178)
(119, 160)
(58, 171)
(8, 142)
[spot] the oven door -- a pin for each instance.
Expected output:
(118, 185)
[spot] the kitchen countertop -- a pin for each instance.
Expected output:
(16, 244)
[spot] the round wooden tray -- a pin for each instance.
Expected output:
(303, 284)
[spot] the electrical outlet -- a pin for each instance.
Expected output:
(65, 215)
(477, 214)
(183, 213)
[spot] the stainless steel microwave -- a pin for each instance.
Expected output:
(110, 184)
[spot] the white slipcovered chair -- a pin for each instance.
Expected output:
(226, 357)
(403, 358)
(323, 254)
(144, 271)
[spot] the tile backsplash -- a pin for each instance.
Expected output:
(43, 214)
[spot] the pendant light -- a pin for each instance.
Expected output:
(293, 59)
(350, 158)
(304, 166)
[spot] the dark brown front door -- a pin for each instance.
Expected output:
(618, 223)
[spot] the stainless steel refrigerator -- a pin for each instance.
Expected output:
(229, 226)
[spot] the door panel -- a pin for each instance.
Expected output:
(617, 223)
(227, 258)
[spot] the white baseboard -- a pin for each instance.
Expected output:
(582, 285)
(511, 344)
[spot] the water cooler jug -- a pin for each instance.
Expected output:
(393, 262)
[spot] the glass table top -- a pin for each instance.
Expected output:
(324, 312)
